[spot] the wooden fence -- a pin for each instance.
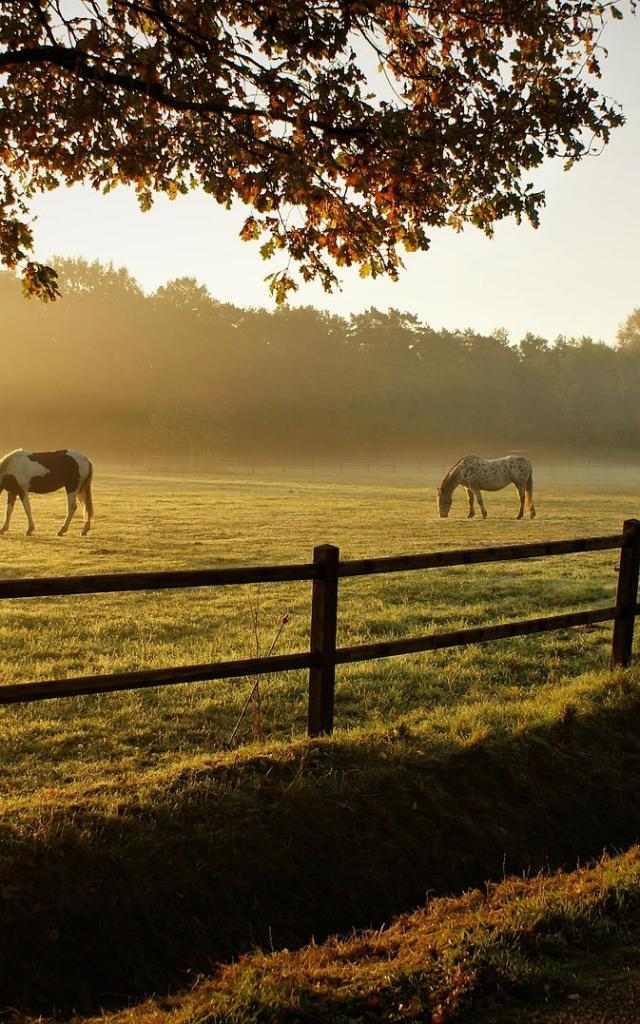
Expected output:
(325, 572)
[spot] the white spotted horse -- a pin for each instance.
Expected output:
(477, 475)
(23, 473)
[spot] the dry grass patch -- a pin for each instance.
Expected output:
(491, 954)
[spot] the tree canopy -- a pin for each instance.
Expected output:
(271, 102)
(628, 335)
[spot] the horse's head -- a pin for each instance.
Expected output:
(443, 502)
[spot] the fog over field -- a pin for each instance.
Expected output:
(177, 380)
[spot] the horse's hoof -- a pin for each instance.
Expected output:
(61, 533)
(85, 531)
(28, 533)
(4, 529)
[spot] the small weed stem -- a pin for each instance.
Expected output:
(255, 692)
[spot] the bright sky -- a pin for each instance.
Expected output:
(577, 274)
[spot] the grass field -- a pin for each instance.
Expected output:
(445, 770)
(155, 522)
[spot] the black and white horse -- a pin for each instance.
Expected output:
(22, 473)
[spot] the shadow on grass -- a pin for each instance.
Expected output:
(97, 911)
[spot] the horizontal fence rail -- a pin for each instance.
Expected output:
(474, 635)
(325, 572)
(121, 582)
(81, 685)
(77, 686)
(476, 556)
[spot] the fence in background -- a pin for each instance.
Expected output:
(324, 655)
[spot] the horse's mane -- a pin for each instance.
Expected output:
(449, 479)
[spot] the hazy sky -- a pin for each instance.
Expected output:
(577, 274)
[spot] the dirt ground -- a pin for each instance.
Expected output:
(616, 1001)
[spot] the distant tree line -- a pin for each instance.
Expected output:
(177, 372)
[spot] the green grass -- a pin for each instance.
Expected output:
(161, 523)
(445, 770)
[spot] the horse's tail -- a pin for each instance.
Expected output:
(529, 495)
(85, 494)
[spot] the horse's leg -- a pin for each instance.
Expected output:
(87, 515)
(478, 495)
(72, 504)
(472, 510)
(520, 490)
(529, 493)
(85, 496)
(26, 504)
(11, 500)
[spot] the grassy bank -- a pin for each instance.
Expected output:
(530, 950)
(113, 890)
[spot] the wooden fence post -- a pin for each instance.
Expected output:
(324, 625)
(627, 595)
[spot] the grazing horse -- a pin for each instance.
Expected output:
(477, 475)
(42, 472)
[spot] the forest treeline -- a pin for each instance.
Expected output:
(112, 370)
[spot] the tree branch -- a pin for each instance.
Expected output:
(76, 62)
